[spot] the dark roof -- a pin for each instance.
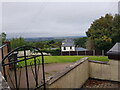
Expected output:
(116, 47)
(68, 42)
(114, 52)
(80, 49)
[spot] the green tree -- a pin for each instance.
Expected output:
(105, 31)
(2, 37)
(80, 42)
(51, 42)
(103, 43)
(17, 42)
(90, 44)
(116, 29)
(39, 45)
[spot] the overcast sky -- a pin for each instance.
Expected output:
(47, 19)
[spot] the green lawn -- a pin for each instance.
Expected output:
(64, 59)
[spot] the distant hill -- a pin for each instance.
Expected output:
(51, 38)
(35, 39)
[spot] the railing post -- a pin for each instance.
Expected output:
(2, 53)
(26, 69)
(36, 72)
(77, 53)
(43, 68)
(61, 53)
(93, 52)
(69, 53)
(102, 52)
(85, 52)
(15, 59)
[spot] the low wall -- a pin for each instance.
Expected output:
(76, 75)
(105, 71)
(73, 76)
(99, 70)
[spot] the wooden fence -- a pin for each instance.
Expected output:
(90, 53)
(3, 52)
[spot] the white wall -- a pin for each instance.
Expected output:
(68, 49)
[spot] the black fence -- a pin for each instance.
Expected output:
(90, 53)
(19, 76)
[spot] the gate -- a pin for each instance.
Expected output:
(23, 67)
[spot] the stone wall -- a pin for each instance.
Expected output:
(105, 71)
(76, 75)
(72, 77)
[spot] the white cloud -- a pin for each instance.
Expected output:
(59, 0)
(53, 18)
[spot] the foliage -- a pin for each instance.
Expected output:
(55, 52)
(80, 42)
(105, 31)
(17, 42)
(115, 34)
(51, 42)
(90, 44)
(2, 37)
(54, 44)
(38, 45)
(104, 43)
(45, 46)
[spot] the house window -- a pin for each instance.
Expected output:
(71, 47)
(64, 48)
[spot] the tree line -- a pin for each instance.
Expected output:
(50, 46)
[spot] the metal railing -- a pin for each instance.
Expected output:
(24, 69)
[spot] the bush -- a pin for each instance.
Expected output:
(55, 52)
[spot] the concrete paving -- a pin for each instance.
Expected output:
(50, 69)
(94, 83)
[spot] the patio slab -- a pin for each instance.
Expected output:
(95, 83)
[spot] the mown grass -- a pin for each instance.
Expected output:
(64, 59)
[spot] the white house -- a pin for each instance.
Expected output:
(68, 45)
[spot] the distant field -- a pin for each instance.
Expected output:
(65, 59)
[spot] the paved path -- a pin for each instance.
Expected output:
(50, 69)
(92, 83)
